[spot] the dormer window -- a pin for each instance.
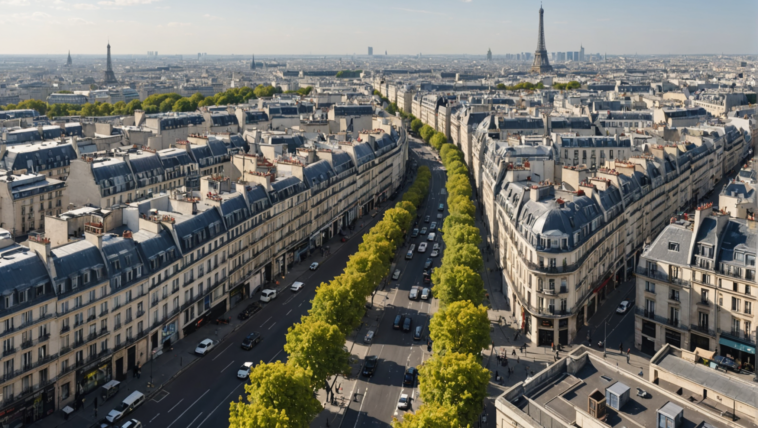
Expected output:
(74, 281)
(673, 246)
(85, 277)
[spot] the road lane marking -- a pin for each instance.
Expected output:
(264, 322)
(363, 400)
(155, 417)
(272, 358)
(227, 366)
(219, 404)
(288, 312)
(301, 303)
(180, 402)
(272, 326)
(219, 354)
(187, 409)
(193, 421)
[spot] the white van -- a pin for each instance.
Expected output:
(268, 295)
(409, 254)
(431, 236)
(129, 404)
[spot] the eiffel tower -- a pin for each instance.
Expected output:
(541, 63)
(109, 77)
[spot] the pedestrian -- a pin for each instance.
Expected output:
(518, 360)
(493, 344)
(628, 351)
(621, 348)
(552, 346)
(514, 352)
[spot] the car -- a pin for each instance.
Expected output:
(427, 277)
(404, 403)
(132, 424)
(204, 347)
(370, 366)
(249, 311)
(244, 371)
(414, 233)
(428, 263)
(422, 247)
(418, 332)
(314, 266)
(413, 294)
(435, 253)
(431, 237)
(409, 378)
(441, 207)
(436, 246)
(407, 324)
(268, 295)
(439, 216)
(433, 226)
(426, 293)
(251, 340)
(623, 307)
(426, 219)
(423, 231)
(369, 337)
(398, 322)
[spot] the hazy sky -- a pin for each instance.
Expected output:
(341, 27)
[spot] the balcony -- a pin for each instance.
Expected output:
(703, 329)
(661, 276)
(104, 312)
(739, 335)
(9, 351)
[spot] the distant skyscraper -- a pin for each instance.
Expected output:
(489, 54)
(569, 56)
(68, 60)
(109, 76)
(541, 64)
(370, 51)
(576, 56)
(581, 53)
(252, 64)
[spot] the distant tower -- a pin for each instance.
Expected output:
(109, 77)
(68, 60)
(489, 54)
(370, 51)
(581, 53)
(252, 64)
(541, 63)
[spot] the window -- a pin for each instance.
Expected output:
(650, 287)
(735, 304)
(747, 289)
(706, 279)
(703, 320)
(673, 246)
(748, 308)
(704, 296)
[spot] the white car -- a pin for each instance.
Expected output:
(396, 275)
(435, 253)
(314, 266)
(268, 295)
(244, 371)
(404, 402)
(204, 346)
(623, 307)
(425, 293)
(296, 286)
(422, 247)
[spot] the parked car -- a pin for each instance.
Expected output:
(249, 311)
(623, 307)
(314, 266)
(428, 263)
(426, 219)
(409, 378)
(204, 347)
(422, 247)
(414, 233)
(398, 322)
(133, 423)
(130, 403)
(268, 295)
(423, 230)
(425, 293)
(296, 286)
(441, 207)
(433, 226)
(369, 336)
(414, 293)
(418, 332)
(404, 403)
(407, 324)
(244, 371)
(435, 253)
(427, 276)
(251, 340)
(396, 274)
(370, 366)
(439, 216)
(431, 237)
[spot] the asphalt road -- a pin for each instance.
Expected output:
(378, 395)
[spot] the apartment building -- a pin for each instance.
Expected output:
(25, 200)
(696, 281)
(50, 158)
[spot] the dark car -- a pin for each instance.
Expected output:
(418, 333)
(398, 322)
(426, 219)
(251, 340)
(249, 311)
(407, 324)
(370, 367)
(414, 233)
(441, 207)
(409, 379)
(428, 263)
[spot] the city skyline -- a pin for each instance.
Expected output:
(137, 26)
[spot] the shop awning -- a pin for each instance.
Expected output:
(600, 287)
(737, 345)
(704, 353)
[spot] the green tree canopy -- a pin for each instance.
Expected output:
(167, 105)
(458, 234)
(38, 105)
(570, 85)
(283, 387)
(437, 140)
(430, 416)
(460, 327)
(132, 105)
(256, 415)
(318, 347)
(416, 124)
(457, 283)
(426, 132)
(400, 217)
(463, 254)
(461, 205)
(261, 91)
(89, 110)
(453, 219)
(183, 104)
(456, 380)
(407, 206)
(336, 305)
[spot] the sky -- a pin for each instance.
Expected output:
(342, 27)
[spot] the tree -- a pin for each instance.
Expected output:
(460, 327)
(133, 105)
(430, 416)
(464, 254)
(256, 415)
(457, 167)
(207, 102)
(458, 234)
(283, 387)
(183, 104)
(409, 207)
(437, 140)
(337, 305)
(416, 124)
(38, 105)
(400, 217)
(166, 105)
(457, 283)
(318, 347)
(426, 132)
(150, 109)
(461, 205)
(196, 98)
(104, 109)
(261, 91)
(453, 219)
(378, 245)
(368, 270)
(456, 380)
(64, 92)
(89, 110)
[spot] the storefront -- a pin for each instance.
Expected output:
(90, 378)
(563, 333)
(237, 294)
(29, 410)
(698, 341)
(742, 353)
(674, 338)
(546, 334)
(170, 333)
